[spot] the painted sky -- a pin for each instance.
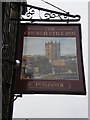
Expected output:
(36, 45)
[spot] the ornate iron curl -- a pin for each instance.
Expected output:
(29, 14)
(50, 15)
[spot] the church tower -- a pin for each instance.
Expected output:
(52, 51)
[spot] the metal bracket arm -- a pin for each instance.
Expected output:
(46, 15)
(17, 96)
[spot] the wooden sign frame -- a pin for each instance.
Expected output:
(51, 59)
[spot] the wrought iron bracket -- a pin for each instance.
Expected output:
(17, 96)
(45, 15)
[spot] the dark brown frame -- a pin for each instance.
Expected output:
(51, 87)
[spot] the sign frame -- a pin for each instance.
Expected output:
(50, 86)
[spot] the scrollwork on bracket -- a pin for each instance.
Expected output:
(29, 14)
(50, 15)
(46, 15)
(34, 14)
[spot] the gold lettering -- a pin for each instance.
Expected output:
(69, 33)
(45, 33)
(61, 85)
(50, 33)
(50, 29)
(38, 85)
(37, 33)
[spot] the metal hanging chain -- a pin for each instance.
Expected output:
(54, 6)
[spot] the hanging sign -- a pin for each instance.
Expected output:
(51, 59)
